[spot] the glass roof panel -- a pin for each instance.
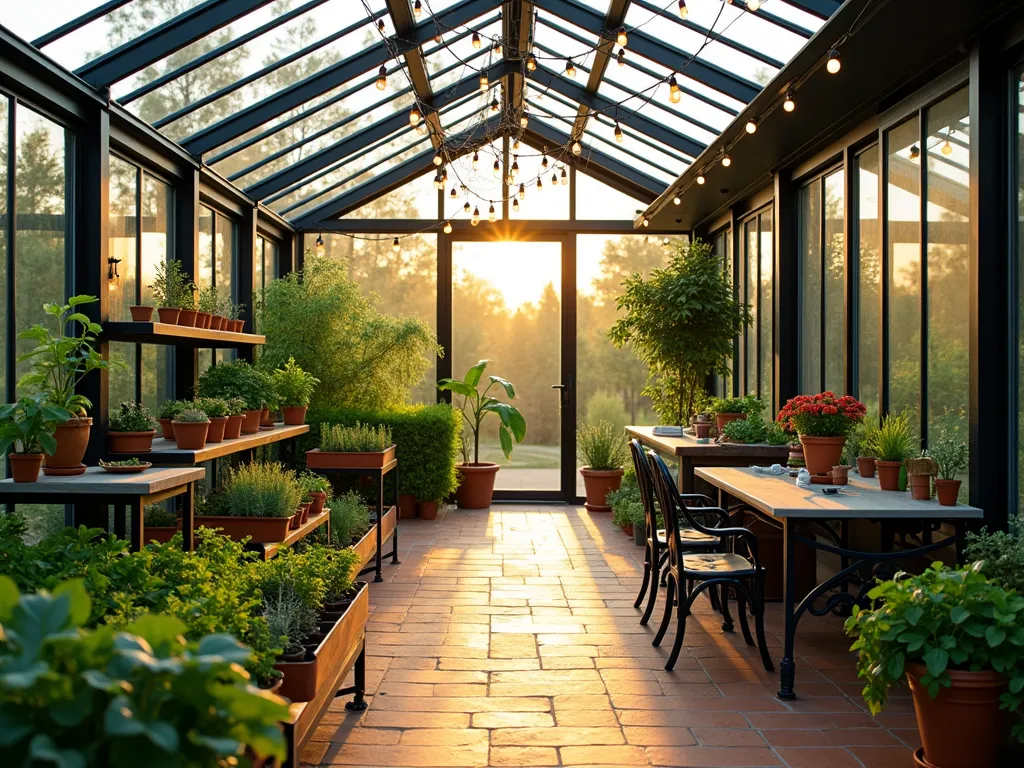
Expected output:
(487, 188)
(416, 199)
(475, 104)
(613, 203)
(648, 104)
(593, 140)
(30, 26)
(786, 11)
(564, 40)
(456, 47)
(443, 78)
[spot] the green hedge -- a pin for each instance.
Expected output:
(427, 439)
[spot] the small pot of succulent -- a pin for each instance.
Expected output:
(728, 409)
(891, 445)
(132, 429)
(951, 456)
(319, 490)
(240, 380)
(602, 449)
(171, 291)
(958, 640)
(166, 415)
(216, 411)
(294, 389)
(258, 500)
(26, 430)
(191, 427)
(361, 446)
(159, 523)
(823, 422)
(236, 415)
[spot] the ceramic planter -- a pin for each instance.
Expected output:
(866, 466)
(317, 459)
(218, 425)
(187, 318)
(406, 506)
(840, 474)
(962, 727)
(317, 505)
(72, 439)
(948, 491)
(721, 419)
(251, 422)
(233, 429)
(191, 435)
(294, 414)
(262, 530)
(141, 314)
(25, 467)
(599, 483)
(822, 453)
(702, 429)
(427, 510)
(168, 315)
(920, 486)
(203, 319)
(888, 474)
(476, 485)
(130, 442)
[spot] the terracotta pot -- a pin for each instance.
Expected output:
(599, 483)
(721, 419)
(72, 439)
(427, 510)
(963, 726)
(920, 486)
(203, 319)
(218, 426)
(236, 326)
(702, 429)
(822, 453)
(266, 418)
(948, 491)
(216, 322)
(476, 485)
(263, 530)
(233, 430)
(168, 315)
(406, 506)
(25, 467)
(130, 442)
(888, 474)
(166, 429)
(141, 314)
(251, 422)
(317, 459)
(190, 435)
(628, 529)
(840, 474)
(304, 512)
(796, 455)
(294, 521)
(316, 507)
(294, 414)
(187, 318)
(866, 466)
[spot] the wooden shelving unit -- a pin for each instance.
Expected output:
(270, 550)
(179, 335)
(167, 453)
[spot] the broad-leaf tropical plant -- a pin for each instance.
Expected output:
(476, 404)
(27, 426)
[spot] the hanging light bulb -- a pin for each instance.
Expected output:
(466, 207)
(438, 181)
(421, 129)
(915, 152)
(509, 179)
(437, 38)
(753, 5)
(515, 167)
(476, 39)
(438, 160)
(524, 119)
(618, 133)
(683, 10)
(476, 217)
(947, 148)
(554, 179)
(540, 184)
(417, 9)
(415, 116)
(444, 174)
(789, 104)
(476, 162)
(490, 214)
(570, 70)
(621, 37)
(752, 125)
(497, 169)
(382, 78)
(674, 93)
(726, 161)
(320, 249)
(676, 201)
(380, 25)
(515, 144)
(564, 177)
(515, 204)
(495, 106)
(447, 227)
(833, 65)
(454, 195)
(483, 82)
(396, 246)
(577, 149)
(700, 179)
(620, 57)
(522, 191)
(544, 162)
(531, 63)
(497, 48)
(645, 222)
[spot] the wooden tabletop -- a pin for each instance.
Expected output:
(97, 482)
(779, 496)
(687, 445)
(167, 452)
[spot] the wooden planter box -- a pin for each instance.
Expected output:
(317, 459)
(159, 534)
(366, 547)
(303, 679)
(262, 530)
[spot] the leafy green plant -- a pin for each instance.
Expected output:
(133, 462)
(775, 434)
(289, 620)
(60, 361)
(171, 287)
(213, 407)
(233, 311)
(236, 406)
(298, 574)
(626, 503)
(350, 518)
(745, 431)
(27, 426)
(950, 454)
(210, 299)
(239, 380)
(192, 416)
(132, 417)
(335, 567)
(513, 424)
(1003, 555)
(260, 490)
(312, 482)
(359, 438)
(601, 446)
(747, 404)
(681, 321)
(861, 439)
(158, 516)
(945, 620)
(171, 408)
(75, 697)
(294, 386)
(894, 440)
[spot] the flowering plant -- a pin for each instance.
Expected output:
(822, 415)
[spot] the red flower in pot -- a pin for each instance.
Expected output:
(823, 422)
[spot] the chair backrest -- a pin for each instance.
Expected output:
(664, 490)
(645, 481)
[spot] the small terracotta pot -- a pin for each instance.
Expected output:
(888, 474)
(721, 419)
(25, 467)
(141, 314)
(304, 512)
(218, 426)
(840, 474)
(294, 521)
(217, 322)
(191, 435)
(316, 507)
(251, 422)
(266, 418)
(166, 429)
(294, 414)
(233, 430)
(599, 483)
(920, 486)
(866, 466)
(427, 510)
(72, 439)
(962, 727)
(130, 442)
(948, 491)
(702, 429)
(822, 453)
(476, 485)
(317, 459)
(187, 318)
(168, 315)
(406, 506)
(628, 529)
(237, 326)
(203, 319)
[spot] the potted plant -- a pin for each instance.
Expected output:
(235, 321)
(822, 421)
(240, 380)
(732, 408)
(257, 500)
(236, 416)
(291, 619)
(167, 414)
(191, 427)
(602, 448)
(951, 456)
(892, 444)
(294, 389)
(319, 490)
(920, 472)
(171, 291)
(959, 641)
(216, 411)
(132, 429)
(208, 301)
(189, 305)
(59, 363)
(359, 446)
(159, 523)
(858, 446)
(26, 431)
(476, 478)
(747, 431)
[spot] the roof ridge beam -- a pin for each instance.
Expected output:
(404, 21)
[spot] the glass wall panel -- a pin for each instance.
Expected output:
(204, 278)
(1020, 293)
(809, 248)
(123, 241)
(766, 311)
(721, 244)
(835, 282)
(749, 386)
(157, 200)
(225, 249)
(5, 228)
(869, 321)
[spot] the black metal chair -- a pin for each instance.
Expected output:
(656, 551)
(728, 570)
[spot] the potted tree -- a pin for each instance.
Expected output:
(191, 427)
(681, 321)
(602, 448)
(257, 500)
(951, 456)
(216, 411)
(132, 429)
(59, 363)
(171, 291)
(294, 388)
(26, 430)
(892, 444)
(476, 478)
(361, 446)
(959, 642)
(822, 421)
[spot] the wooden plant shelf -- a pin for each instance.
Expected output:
(181, 335)
(270, 550)
(167, 453)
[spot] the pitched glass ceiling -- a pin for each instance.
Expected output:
(282, 96)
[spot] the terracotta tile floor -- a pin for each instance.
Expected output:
(508, 638)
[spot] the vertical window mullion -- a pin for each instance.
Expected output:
(923, 237)
(10, 379)
(822, 289)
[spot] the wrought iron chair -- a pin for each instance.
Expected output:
(656, 551)
(707, 571)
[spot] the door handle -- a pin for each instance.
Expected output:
(558, 386)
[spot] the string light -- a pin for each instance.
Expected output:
(497, 48)
(544, 162)
(113, 276)
(564, 177)
(621, 37)
(476, 217)
(753, 5)
(789, 104)
(645, 222)
(483, 81)
(554, 179)
(515, 204)
(540, 184)
(620, 57)
(515, 167)
(726, 161)
(466, 207)
(700, 179)
(320, 249)
(454, 195)
(382, 78)
(447, 227)
(476, 161)
(570, 70)
(752, 125)
(947, 148)
(396, 246)
(421, 129)
(417, 9)
(915, 152)
(577, 149)
(833, 65)
(531, 63)
(524, 119)
(522, 191)
(438, 181)
(476, 40)
(676, 201)
(618, 133)
(683, 10)
(495, 106)
(496, 169)
(515, 144)
(415, 116)
(674, 92)
(438, 159)
(490, 214)
(380, 25)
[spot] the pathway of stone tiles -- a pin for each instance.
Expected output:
(508, 637)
